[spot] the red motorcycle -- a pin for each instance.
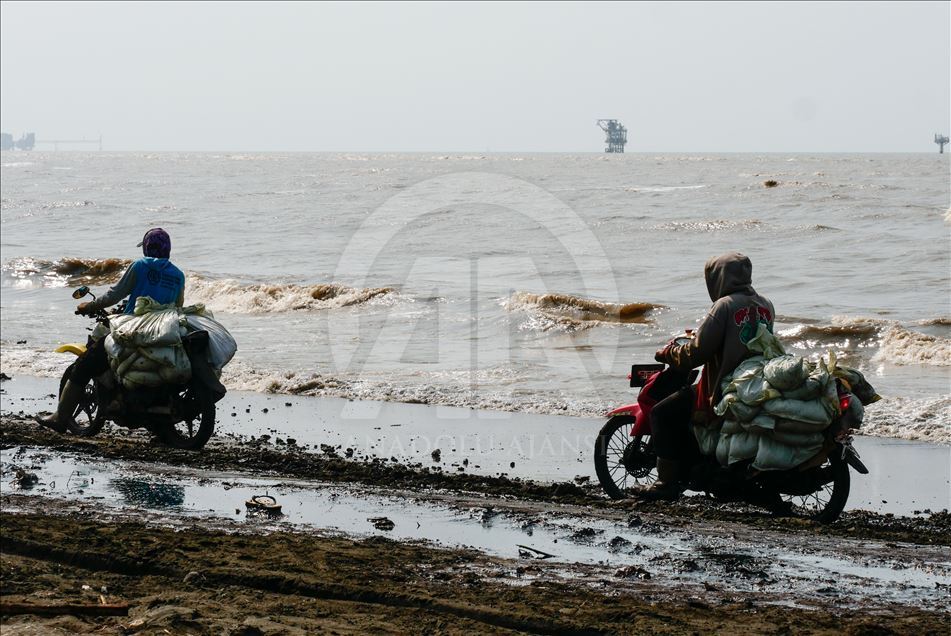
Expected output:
(624, 455)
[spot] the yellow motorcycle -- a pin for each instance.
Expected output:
(181, 415)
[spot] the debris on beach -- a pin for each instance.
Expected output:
(382, 523)
(633, 572)
(265, 504)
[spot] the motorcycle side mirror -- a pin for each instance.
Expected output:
(82, 292)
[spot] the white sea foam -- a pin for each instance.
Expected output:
(902, 346)
(231, 296)
(926, 420)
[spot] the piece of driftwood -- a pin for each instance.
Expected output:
(58, 609)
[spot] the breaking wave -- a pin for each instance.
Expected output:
(926, 420)
(896, 344)
(224, 295)
(563, 312)
(234, 297)
(838, 329)
(902, 346)
(65, 272)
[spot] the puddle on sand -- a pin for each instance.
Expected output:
(667, 554)
(543, 448)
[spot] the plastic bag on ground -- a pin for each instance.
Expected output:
(786, 372)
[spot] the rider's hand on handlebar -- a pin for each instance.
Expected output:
(81, 309)
(661, 354)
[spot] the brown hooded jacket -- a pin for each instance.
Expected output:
(720, 341)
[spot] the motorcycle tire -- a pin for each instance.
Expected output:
(841, 482)
(86, 421)
(196, 437)
(606, 448)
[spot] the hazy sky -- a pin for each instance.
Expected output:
(683, 77)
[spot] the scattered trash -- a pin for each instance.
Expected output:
(264, 504)
(24, 479)
(582, 479)
(633, 572)
(437, 455)
(618, 542)
(382, 523)
(527, 552)
(192, 577)
(770, 183)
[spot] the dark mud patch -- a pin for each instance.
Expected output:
(199, 580)
(263, 457)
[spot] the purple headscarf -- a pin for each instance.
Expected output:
(156, 243)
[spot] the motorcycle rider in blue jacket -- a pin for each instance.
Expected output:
(154, 276)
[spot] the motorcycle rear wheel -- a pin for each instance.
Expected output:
(613, 444)
(86, 421)
(194, 431)
(826, 504)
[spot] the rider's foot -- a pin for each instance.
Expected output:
(667, 487)
(51, 421)
(659, 491)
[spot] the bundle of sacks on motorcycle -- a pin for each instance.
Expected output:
(145, 348)
(776, 408)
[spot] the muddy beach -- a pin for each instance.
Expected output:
(461, 552)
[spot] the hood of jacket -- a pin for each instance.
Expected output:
(727, 274)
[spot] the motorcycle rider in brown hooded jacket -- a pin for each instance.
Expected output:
(719, 344)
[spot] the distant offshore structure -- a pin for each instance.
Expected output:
(941, 140)
(28, 141)
(615, 134)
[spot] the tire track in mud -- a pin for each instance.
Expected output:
(282, 584)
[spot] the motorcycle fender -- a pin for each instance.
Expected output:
(75, 349)
(630, 409)
(852, 460)
(641, 423)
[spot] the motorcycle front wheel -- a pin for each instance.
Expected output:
(86, 421)
(825, 504)
(194, 430)
(622, 460)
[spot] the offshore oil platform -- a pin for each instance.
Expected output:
(942, 141)
(615, 135)
(25, 142)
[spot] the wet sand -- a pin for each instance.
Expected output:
(904, 476)
(461, 555)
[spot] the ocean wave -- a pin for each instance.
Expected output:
(839, 328)
(235, 297)
(714, 225)
(563, 312)
(224, 295)
(65, 272)
(903, 347)
(925, 420)
(895, 343)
